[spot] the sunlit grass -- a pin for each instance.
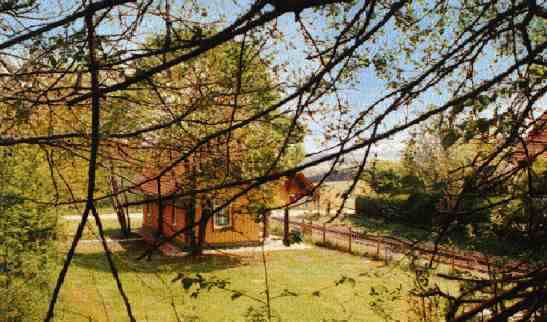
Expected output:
(90, 293)
(67, 228)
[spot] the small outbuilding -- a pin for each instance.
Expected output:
(235, 225)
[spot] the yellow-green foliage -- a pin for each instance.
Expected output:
(26, 235)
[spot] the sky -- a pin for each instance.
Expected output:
(368, 88)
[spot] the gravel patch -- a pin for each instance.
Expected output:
(269, 246)
(111, 216)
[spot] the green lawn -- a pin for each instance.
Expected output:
(90, 294)
(66, 229)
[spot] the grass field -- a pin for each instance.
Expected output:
(66, 229)
(90, 293)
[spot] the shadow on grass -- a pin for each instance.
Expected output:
(115, 233)
(127, 260)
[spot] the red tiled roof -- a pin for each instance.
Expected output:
(178, 177)
(170, 182)
(300, 181)
(536, 140)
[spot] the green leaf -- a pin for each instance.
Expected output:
(236, 295)
(484, 100)
(537, 70)
(522, 84)
(351, 281)
(177, 278)
(22, 113)
(52, 61)
(483, 125)
(286, 292)
(187, 283)
(457, 109)
(469, 134)
(450, 138)
(345, 279)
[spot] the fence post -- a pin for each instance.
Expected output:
(286, 241)
(265, 225)
(349, 239)
(324, 233)
(378, 249)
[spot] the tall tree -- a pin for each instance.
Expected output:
(67, 69)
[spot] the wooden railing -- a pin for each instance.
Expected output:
(389, 247)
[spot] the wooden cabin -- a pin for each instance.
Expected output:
(536, 141)
(232, 226)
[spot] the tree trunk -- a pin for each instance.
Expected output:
(265, 223)
(206, 214)
(126, 201)
(286, 240)
(191, 217)
(120, 211)
(160, 209)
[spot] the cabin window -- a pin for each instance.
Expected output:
(222, 218)
(218, 163)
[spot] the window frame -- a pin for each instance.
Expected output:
(227, 213)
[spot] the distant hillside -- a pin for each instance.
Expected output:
(345, 174)
(337, 175)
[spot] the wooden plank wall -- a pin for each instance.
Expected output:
(244, 228)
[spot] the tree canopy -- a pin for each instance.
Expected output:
(80, 79)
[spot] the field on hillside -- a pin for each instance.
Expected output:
(303, 286)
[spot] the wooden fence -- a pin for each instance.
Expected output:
(390, 247)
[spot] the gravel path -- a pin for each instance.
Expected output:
(269, 245)
(111, 216)
(109, 240)
(274, 244)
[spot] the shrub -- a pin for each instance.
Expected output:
(418, 208)
(380, 206)
(27, 233)
(296, 236)
(411, 183)
(367, 206)
(421, 207)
